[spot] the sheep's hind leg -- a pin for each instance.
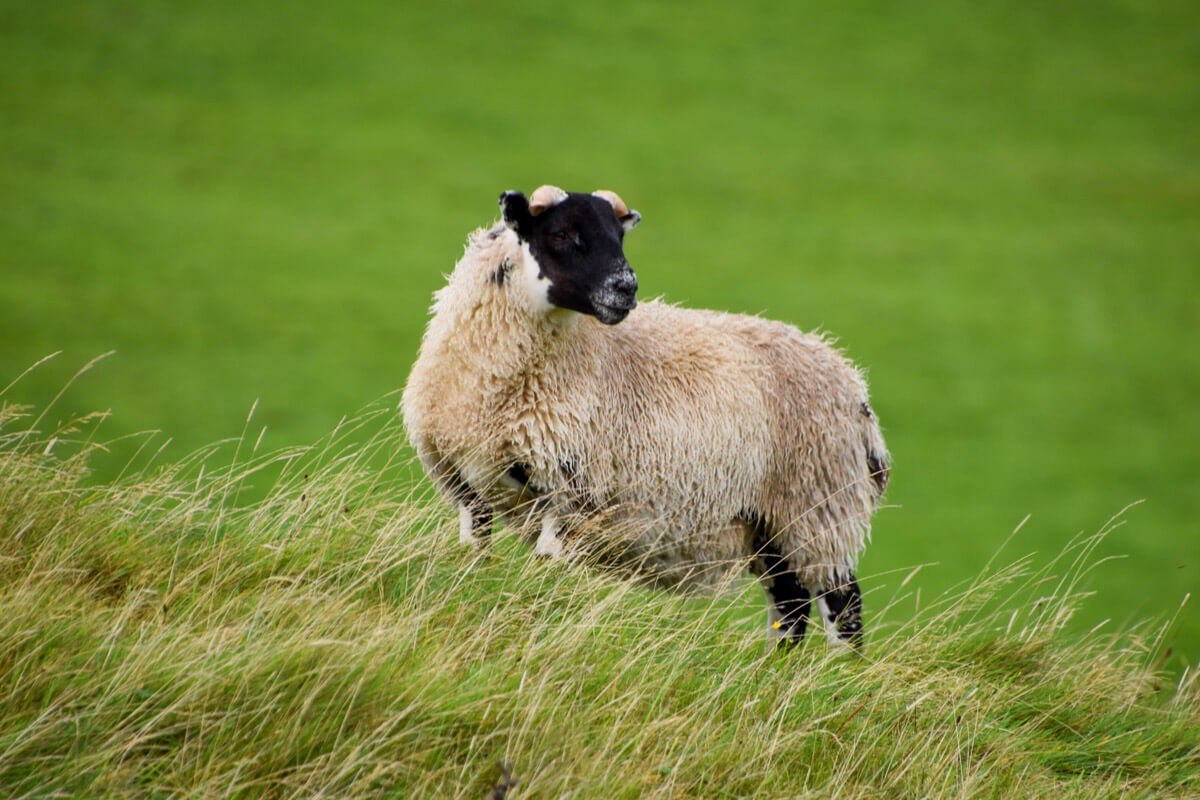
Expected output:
(841, 611)
(789, 603)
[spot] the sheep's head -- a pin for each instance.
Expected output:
(575, 243)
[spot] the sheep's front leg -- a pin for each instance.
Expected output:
(474, 513)
(789, 602)
(841, 611)
(474, 524)
(549, 542)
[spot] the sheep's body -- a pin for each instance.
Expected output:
(705, 439)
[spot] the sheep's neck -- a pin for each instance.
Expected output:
(519, 352)
(530, 373)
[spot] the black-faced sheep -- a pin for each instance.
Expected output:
(681, 444)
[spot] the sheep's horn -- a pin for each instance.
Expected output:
(544, 197)
(619, 207)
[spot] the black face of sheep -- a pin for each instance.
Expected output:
(576, 240)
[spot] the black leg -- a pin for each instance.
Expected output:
(789, 601)
(841, 608)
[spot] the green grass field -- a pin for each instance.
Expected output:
(994, 208)
(161, 638)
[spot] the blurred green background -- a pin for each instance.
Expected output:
(993, 206)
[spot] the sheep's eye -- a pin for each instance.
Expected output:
(559, 236)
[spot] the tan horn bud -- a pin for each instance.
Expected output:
(619, 207)
(544, 197)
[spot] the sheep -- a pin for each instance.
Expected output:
(683, 445)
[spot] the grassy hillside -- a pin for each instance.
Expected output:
(993, 206)
(157, 638)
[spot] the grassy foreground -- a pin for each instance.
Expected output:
(333, 639)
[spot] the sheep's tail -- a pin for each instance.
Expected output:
(879, 463)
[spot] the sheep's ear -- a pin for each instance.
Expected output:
(625, 215)
(630, 220)
(514, 208)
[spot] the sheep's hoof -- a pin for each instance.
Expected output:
(477, 543)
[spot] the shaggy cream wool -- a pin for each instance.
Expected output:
(658, 442)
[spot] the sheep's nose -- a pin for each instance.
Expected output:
(623, 282)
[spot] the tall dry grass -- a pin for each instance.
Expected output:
(305, 623)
